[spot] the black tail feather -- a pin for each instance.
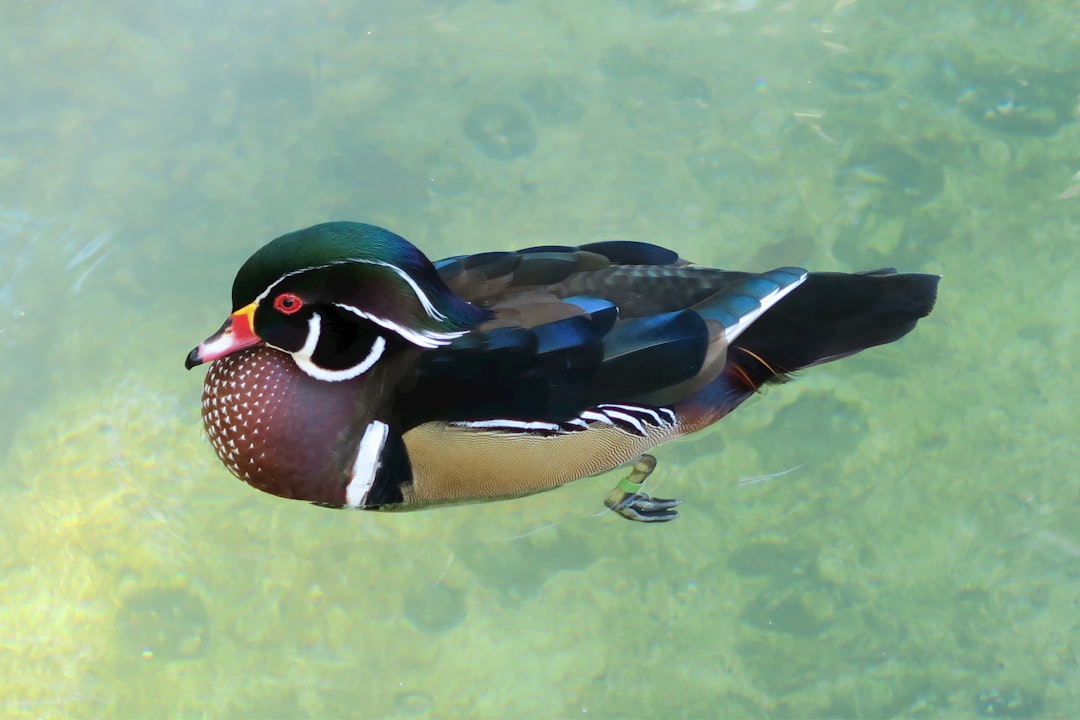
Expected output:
(830, 316)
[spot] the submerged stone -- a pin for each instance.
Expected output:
(816, 429)
(500, 131)
(449, 175)
(905, 242)
(624, 62)
(413, 703)
(731, 178)
(435, 608)
(1013, 704)
(374, 181)
(164, 624)
(519, 569)
(794, 613)
(1035, 105)
(1009, 98)
(771, 559)
(556, 100)
(889, 178)
(855, 82)
(681, 87)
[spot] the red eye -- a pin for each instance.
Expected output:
(287, 303)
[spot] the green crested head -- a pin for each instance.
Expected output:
(334, 295)
(365, 267)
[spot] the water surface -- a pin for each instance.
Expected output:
(920, 559)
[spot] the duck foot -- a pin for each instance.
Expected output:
(625, 499)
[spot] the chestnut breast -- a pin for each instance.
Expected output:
(278, 429)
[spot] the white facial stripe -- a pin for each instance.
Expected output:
(263, 295)
(366, 465)
(314, 329)
(425, 301)
(422, 338)
(373, 356)
(429, 308)
(303, 360)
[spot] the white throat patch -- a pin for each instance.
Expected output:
(303, 360)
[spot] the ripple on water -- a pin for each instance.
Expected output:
(44, 266)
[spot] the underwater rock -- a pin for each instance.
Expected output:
(731, 178)
(163, 623)
(906, 242)
(413, 703)
(1013, 704)
(519, 568)
(681, 87)
(500, 131)
(888, 178)
(1033, 105)
(771, 559)
(995, 153)
(646, 80)
(435, 608)
(374, 181)
(266, 81)
(622, 62)
(448, 174)
(816, 429)
(556, 100)
(1010, 99)
(854, 82)
(800, 613)
(789, 250)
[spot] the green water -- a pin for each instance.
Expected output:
(922, 559)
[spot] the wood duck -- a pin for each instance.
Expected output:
(354, 372)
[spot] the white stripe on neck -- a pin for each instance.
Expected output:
(366, 465)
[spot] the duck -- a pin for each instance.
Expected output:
(354, 372)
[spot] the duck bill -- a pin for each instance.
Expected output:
(237, 333)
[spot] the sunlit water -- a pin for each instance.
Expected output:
(895, 535)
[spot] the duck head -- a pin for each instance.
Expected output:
(334, 296)
(325, 323)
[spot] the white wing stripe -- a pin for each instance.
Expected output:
(631, 419)
(730, 333)
(628, 419)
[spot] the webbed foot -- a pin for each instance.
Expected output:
(626, 500)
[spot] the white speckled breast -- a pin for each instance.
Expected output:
(278, 429)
